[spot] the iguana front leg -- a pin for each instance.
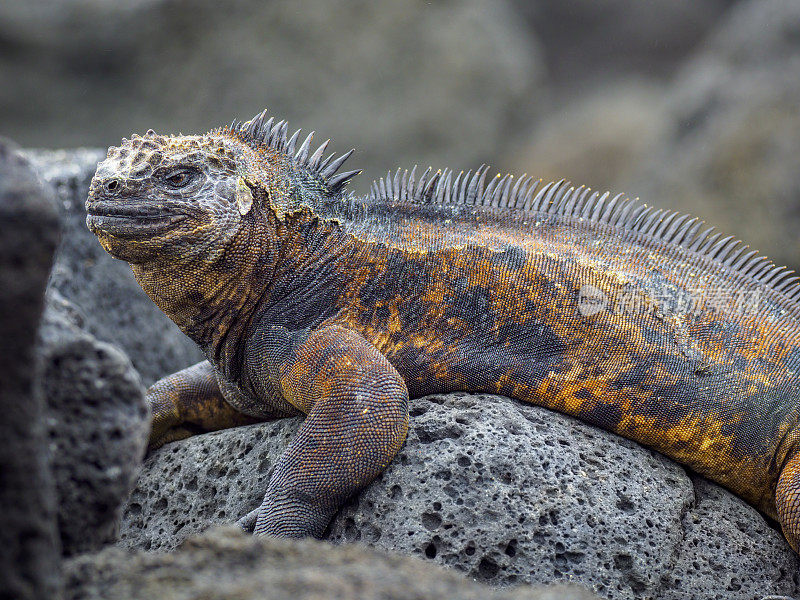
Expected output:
(357, 418)
(187, 402)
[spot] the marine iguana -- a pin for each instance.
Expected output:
(307, 298)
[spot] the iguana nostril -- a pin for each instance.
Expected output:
(113, 185)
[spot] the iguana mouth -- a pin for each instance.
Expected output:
(130, 222)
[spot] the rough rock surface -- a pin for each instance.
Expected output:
(97, 423)
(506, 492)
(226, 563)
(731, 152)
(383, 78)
(116, 308)
(210, 479)
(720, 521)
(28, 236)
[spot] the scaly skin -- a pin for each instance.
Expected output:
(308, 300)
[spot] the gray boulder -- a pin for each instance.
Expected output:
(103, 289)
(226, 563)
(730, 150)
(505, 492)
(29, 231)
(97, 421)
(719, 521)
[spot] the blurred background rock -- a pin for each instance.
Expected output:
(690, 104)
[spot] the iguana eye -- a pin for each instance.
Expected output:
(179, 178)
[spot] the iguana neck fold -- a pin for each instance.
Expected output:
(269, 269)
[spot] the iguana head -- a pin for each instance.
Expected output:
(165, 196)
(182, 197)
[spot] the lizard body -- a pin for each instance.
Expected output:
(308, 299)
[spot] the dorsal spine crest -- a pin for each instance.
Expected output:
(561, 199)
(260, 132)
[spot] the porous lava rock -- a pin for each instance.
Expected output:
(506, 492)
(29, 232)
(97, 423)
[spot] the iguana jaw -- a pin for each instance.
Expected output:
(137, 230)
(131, 222)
